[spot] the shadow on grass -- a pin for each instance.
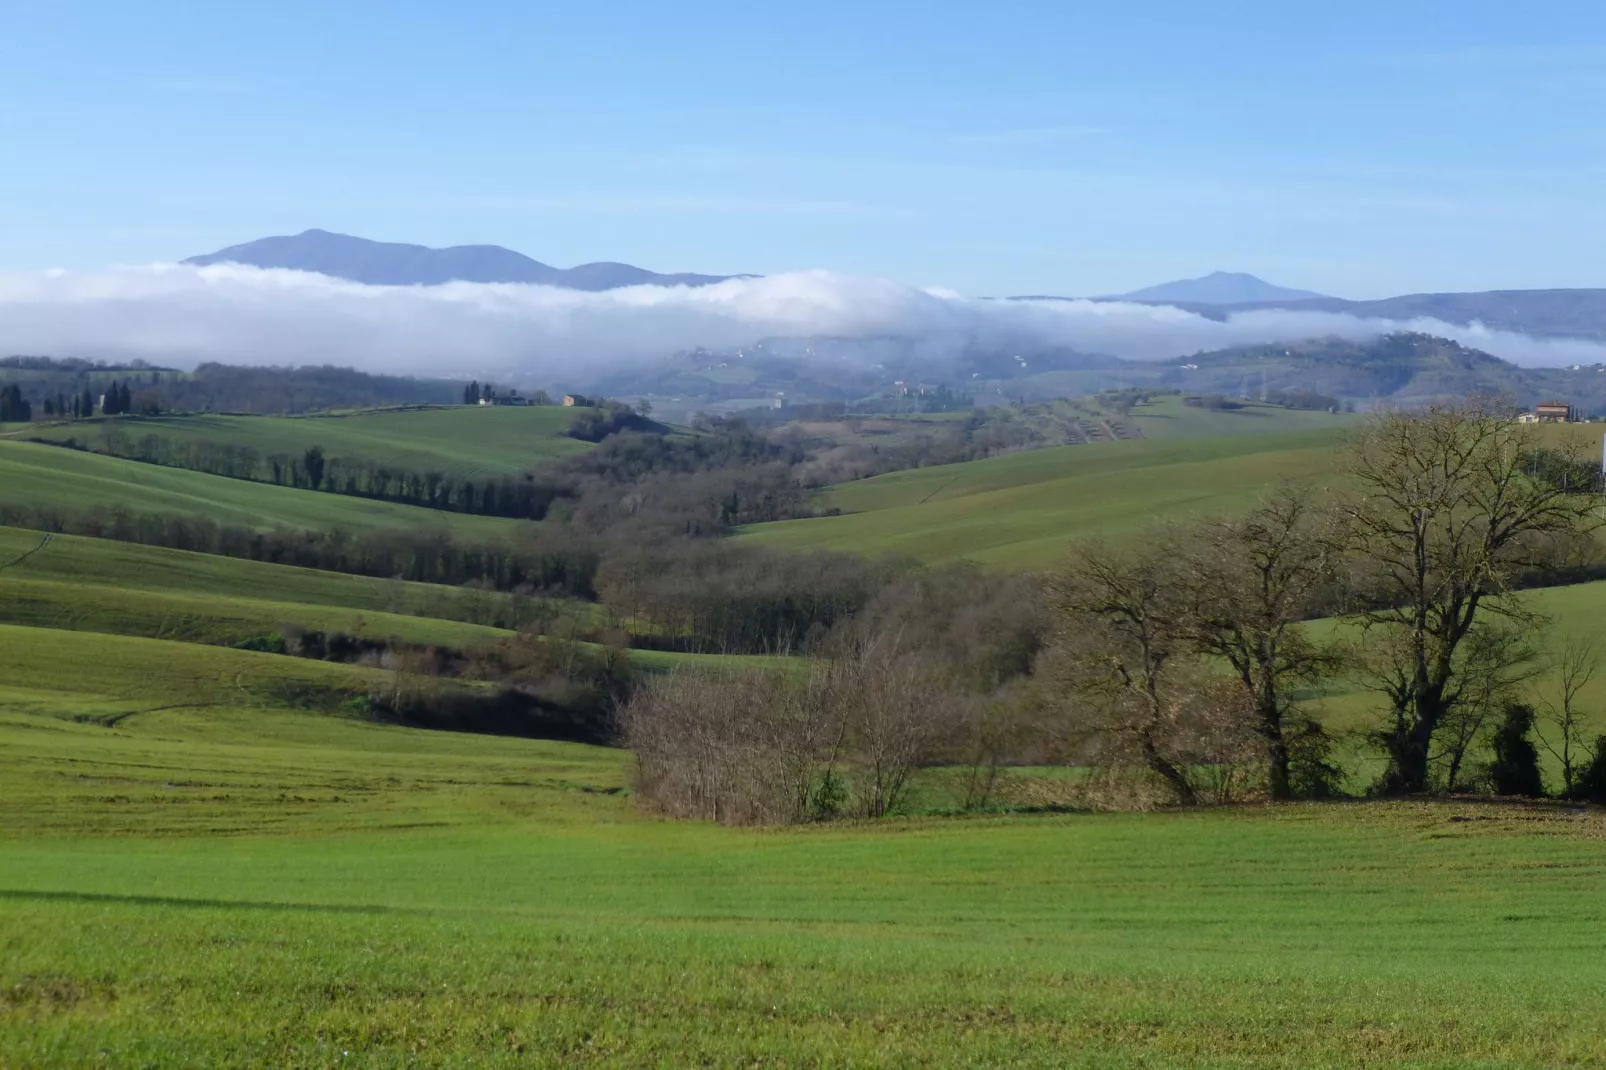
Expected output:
(203, 904)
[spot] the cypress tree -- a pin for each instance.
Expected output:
(87, 403)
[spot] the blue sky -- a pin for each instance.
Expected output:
(1360, 149)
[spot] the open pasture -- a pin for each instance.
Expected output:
(1168, 416)
(461, 441)
(101, 563)
(71, 480)
(1021, 510)
(97, 585)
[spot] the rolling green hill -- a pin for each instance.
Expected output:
(197, 873)
(1021, 510)
(1167, 416)
(463, 441)
(37, 475)
(98, 585)
(108, 563)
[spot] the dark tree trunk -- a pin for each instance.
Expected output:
(1172, 775)
(1277, 771)
(1409, 749)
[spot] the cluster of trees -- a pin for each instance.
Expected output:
(1178, 662)
(520, 498)
(79, 406)
(117, 400)
(14, 408)
(475, 392)
(1215, 402)
(1299, 398)
(426, 553)
(1454, 504)
(610, 418)
(269, 390)
(919, 675)
(215, 387)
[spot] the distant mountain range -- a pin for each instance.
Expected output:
(1577, 313)
(1543, 313)
(396, 264)
(1217, 288)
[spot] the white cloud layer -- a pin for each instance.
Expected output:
(180, 315)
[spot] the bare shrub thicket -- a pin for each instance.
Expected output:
(842, 735)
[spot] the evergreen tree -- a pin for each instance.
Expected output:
(86, 403)
(471, 393)
(487, 392)
(1515, 769)
(312, 464)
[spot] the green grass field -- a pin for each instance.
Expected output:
(102, 563)
(1022, 510)
(1167, 417)
(97, 585)
(212, 857)
(462, 441)
(37, 475)
(228, 882)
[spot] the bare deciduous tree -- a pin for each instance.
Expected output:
(1575, 665)
(1246, 585)
(1450, 506)
(1121, 656)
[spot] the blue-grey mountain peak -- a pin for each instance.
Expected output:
(343, 256)
(1219, 288)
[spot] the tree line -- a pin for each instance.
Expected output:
(1178, 666)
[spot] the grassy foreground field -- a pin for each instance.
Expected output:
(36, 475)
(1021, 510)
(229, 886)
(462, 441)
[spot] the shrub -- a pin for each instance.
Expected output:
(1591, 785)
(1515, 768)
